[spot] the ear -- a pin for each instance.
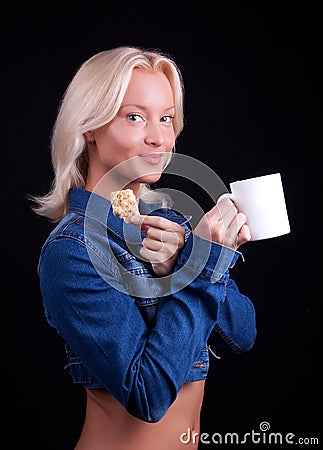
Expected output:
(89, 137)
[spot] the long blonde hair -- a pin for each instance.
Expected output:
(92, 100)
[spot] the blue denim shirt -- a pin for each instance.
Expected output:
(138, 336)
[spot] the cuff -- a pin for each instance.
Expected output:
(209, 258)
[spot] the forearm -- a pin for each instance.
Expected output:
(143, 368)
(173, 345)
(187, 317)
(235, 321)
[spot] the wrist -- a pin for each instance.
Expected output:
(209, 258)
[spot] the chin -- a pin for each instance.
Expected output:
(149, 179)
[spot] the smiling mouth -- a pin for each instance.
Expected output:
(152, 158)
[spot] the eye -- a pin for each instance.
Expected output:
(135, 118)
(167, 119)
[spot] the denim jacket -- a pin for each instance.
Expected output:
(139, 336)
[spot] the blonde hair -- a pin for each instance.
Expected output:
(92, 100)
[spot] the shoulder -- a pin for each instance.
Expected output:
(71, 226)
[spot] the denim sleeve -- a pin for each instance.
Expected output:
(104, 327)
(235, 323)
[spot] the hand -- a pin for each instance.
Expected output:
(163, 242)
(224, 224)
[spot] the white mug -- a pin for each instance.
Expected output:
(262, 200)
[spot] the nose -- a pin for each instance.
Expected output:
(154, 136)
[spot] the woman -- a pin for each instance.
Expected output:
(135, 303)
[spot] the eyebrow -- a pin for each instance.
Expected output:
(142, 106)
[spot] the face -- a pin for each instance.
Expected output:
(140, 136)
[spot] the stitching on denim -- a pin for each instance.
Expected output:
(225, 289)
(226, 338)
(72, 220)
(80, 238)
(125, 257)
(197, 270)
(97, 219)
(117, 271)
(139, 271)
(143, 303)
(60, 231)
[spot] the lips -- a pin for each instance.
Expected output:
(152, 158)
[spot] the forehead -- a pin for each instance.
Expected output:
(149, 87)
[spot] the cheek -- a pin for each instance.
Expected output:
(114, 138)
(169, 140)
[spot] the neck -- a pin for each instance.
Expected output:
(109, 183)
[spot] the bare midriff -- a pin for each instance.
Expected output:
(108, 426)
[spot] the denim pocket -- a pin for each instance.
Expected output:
(76, 368)
(78, 371)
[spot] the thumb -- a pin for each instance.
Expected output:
(138, 220)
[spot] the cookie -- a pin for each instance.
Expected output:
(124, 204)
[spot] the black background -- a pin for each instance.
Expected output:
(252, 106)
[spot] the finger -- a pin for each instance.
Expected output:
(156, 222)
(165, 244)
(152, 244)
(228, 215)
(244, 235)
(141, 222)
(166, 236)
(138, 220)
(220, 209)
(154, 257)
(224, 205)
(234, 228)
(237, 222)
(225, 202)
